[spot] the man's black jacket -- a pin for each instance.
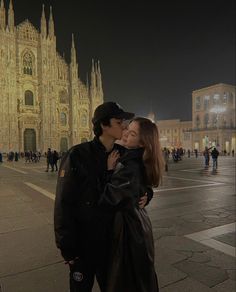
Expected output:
(80, 223)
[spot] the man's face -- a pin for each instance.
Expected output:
(115, 129)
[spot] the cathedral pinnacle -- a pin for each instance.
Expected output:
(43, 23)
(73, 42)
(43, 13)
(74, 65)
(99, 71)
(2, 15)
(11, 21)
(51, 24)
(92, 65)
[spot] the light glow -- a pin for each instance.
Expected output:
(218, 109)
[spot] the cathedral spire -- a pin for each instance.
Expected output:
(87, 81)
(51, 31)
(2, 15)
(73, 51)
(99, 80)
(73, 42)
(43, 24)
(74, 66)
(92, 66)
(11, 21)
(93, 81)
(99, 70)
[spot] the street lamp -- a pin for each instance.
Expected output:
(217, 110)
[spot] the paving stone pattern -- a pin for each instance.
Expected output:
(30, 262)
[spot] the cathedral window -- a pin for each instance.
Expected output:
(63, 97)
(63, 144)
(29, 97)
(63, 119)
(27, 64)
(84, 120)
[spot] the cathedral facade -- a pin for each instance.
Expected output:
(43, 102)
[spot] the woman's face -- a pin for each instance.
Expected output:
(130, 137)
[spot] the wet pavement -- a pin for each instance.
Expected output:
(193, 216)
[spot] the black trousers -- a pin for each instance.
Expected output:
(93, 254)
(83, 272)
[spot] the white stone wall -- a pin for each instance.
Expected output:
(56, 88)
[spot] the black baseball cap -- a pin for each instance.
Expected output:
(110, 110)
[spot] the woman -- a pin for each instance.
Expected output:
(131, 267)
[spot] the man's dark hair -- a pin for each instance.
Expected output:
(97, 129)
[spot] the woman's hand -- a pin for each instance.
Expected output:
(112, 159)
(143, 201)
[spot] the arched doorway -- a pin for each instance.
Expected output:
(64, 145)
(29, 140)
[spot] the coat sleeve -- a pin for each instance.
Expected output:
(64, 220)
(124, 186)
(149, 194)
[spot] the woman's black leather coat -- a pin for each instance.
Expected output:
(131, 267)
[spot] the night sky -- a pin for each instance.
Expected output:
(153, 54)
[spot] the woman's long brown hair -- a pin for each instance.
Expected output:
(152, 156)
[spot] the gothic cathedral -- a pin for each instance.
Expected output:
(43, 102)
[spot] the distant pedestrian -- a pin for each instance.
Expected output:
(232, 152)
(206, 155)
(55, 157)
(27, 156)
(189, 153)
(196, 153)
(166, 157)
(214, 155)
(1, 157)
(49, 160)
(16, 156)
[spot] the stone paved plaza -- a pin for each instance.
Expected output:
(193, 216)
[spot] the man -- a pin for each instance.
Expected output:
(49, 160)
(82, 227)
(206, 155)
(166, 158)
(214, 155)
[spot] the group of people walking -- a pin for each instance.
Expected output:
(52, 159)
(101, 226)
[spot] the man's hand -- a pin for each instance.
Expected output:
(71, 262)
(143, 201)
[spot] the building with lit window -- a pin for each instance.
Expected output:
(213, 121)
(175, 133)
(213, 114)
(43, 102)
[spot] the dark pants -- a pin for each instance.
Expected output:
(207, 161)
(82, 275)
(215, 164)
(92, 256)
(54, 164)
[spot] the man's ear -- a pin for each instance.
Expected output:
(103, 126)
